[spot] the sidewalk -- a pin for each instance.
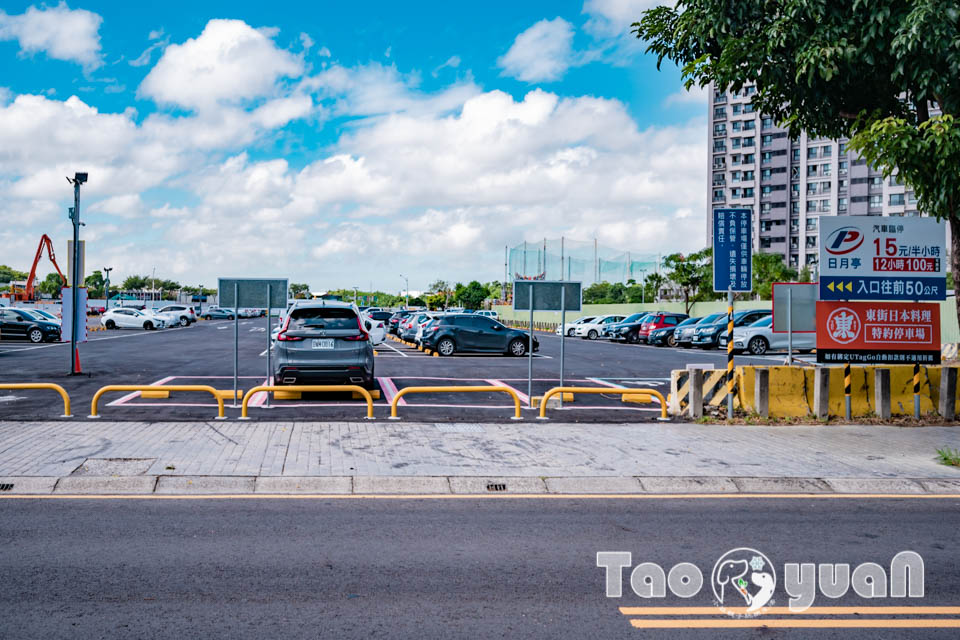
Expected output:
(380, 457)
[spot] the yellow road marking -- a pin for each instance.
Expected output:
(781, 623)
(822, 611)
(476, 496)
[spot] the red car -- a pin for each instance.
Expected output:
(658, 321)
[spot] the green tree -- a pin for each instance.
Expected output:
(597, 293)
(767, 269)
(8, 273)
(867, 69)
(299, 291)
(692, 274)
(51, 285)
(135, 283)
(806, 276)
(473, 295)
(652, 285)
(94, 283)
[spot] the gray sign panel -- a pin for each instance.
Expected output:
(803, 298)
(252, 293)
(546, 295)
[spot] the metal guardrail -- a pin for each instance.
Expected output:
(145, 387)
(309, 388)
(602, 391)
(43, 385)
(500, 389)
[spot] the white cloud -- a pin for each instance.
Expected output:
(60, 32)
(306, 41)
(695, 96)
(125, 206)
(452, 62)
(543, 52)
(614, 17)
(228, 62)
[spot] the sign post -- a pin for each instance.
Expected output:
(545, 295)
(732, 270)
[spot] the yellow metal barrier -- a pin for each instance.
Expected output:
(309, 388)
(602, 390)
(146, 387)
(406, 390)
(44, 385)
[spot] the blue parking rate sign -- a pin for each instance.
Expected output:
(732, 250)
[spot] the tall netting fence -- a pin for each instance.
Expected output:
(584, 261)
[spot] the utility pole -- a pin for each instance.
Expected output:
(106, 287)
(78, 179)
(407, 290)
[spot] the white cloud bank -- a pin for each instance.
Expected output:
(543, 52)
(59, 32)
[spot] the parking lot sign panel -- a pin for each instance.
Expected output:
(872, 258)
(546, 295)
(252, 292)
(878, 332)
(803, 298)
(732, 250)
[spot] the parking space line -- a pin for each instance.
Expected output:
(260, 398)
(604, 383)
(390, 391)
(524, 398)
(135, 394)
(395, 349)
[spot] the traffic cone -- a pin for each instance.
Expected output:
(76, 360)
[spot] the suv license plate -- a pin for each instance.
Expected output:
(324, 343)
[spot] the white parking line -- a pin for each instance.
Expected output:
(397, 350)
(130, 396)
(92, 340)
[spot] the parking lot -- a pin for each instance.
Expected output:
(202, 354)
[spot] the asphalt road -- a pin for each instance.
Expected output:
(443, 568)
(203, 354)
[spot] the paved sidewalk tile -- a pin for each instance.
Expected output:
(26, 485)
(93, 485)
(400, 485)
(459, 484)
(594, 485)
(781, 485)
(682, 484)
(322, 485)
(875, 485)
(941, 485)
(189, 485)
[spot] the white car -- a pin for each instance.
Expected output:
(593, 329)
(759, 338)
(120, 318)
(571, 327)
(429, 317)
(489, 314)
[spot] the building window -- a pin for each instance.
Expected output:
(842, 149)
(795, 155)
(811, 170)
(811, 242)
(876, 181)
(748, 108)
(811, 188)
(811, 206)
(795, 190)
(735, 176)
(717, 195)
(875, 201)
(735, 192)
(897, 199)
(841, 204)
(737, 125)
(735, 143)
(842, 168)
(719, 146)
(748, 158)
(911, 197)
(766, 123)
(826, 152)
(825, 206)
(824, 187)
(766, 140)
(811, 153)
(719, 113)
(795, 207)
(748, 192)
(736, 109)
(748, 142)
(841, 185)
(749, 176)
(812, 224)
(719, 129)
(749, 125)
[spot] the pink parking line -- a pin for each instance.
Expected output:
(389, 391)
(260, 398)
(524, 398)
(136, 394)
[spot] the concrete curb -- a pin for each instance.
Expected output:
(486, 486)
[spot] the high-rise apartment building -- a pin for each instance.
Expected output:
(789, 184)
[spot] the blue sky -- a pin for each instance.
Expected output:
(341, 143)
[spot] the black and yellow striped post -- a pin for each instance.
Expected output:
(846, 391)
(730, 379)
(916, 390)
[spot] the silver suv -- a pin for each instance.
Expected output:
(324, 342)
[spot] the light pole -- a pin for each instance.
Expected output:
(643, 287)
(355, 294)
(106, 287)
(78, 179)
(200, 301)
(407, 290)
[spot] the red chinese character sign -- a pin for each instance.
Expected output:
(878, 332)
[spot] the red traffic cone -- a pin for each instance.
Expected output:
(76, 360)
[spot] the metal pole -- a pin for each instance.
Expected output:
(789, 327)
(106, 291)
(503, 289)
(269, 345)
(75, 278)
(730, 353)
(563, 328)
(848, 404)
(561, 270)
(916, 390)
(236, 340)
(530, 354)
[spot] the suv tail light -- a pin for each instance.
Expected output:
(363, 337)
(283, 337)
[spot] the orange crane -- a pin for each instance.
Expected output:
(27, 294)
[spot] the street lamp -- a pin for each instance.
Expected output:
(106, 288)
(407, 290)
(78, 179)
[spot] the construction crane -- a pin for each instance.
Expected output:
(27, 293)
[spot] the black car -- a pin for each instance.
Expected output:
(16, 324)
(667, 336)
(708, 336)
(470, 332)
(617, 330)
(393, 324)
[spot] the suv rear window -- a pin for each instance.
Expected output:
(323, 318)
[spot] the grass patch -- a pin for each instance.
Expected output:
(949, 456)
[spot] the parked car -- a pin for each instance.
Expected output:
(216, 313)
(591, 330)
(612, 330)
(571, 327)
(453, 333)
(488, 314)
(17, 324)
(759, 338)
(128, 318)
(657, 321)
(395, 320)
(46, 315)
(378, 325)
(185, 315)
(707, 336)
(667, 336)
(685, 335)
(323, 342)
(417, 339)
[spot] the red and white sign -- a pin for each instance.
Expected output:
(877, 331)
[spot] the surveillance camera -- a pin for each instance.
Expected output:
(80, 177)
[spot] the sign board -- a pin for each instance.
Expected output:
(803, 300)
(732, 250)
(546, 295)
(66, 313)
(252, 293)
(878, 332)
(197, 298)
(873, 258)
